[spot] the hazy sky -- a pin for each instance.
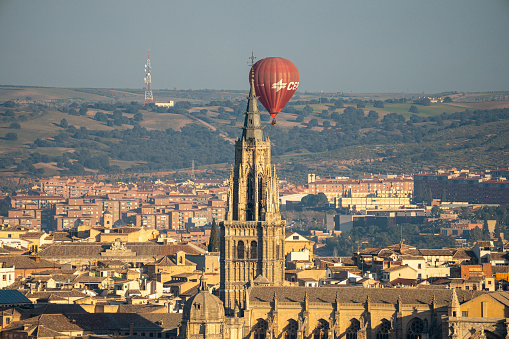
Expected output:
(337, 45)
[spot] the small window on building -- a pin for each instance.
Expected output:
(464, 313)
(295, 237)
(419, 266)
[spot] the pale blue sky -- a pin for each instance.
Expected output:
(337, 45)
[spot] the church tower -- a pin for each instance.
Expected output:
(252, 236)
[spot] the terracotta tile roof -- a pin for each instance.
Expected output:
(499, 269)
(436, 252)
(32, 235)
(396, 268)
(358, 295)
(61, 236)
(25, 262)
(499, 256)
(93, 250)
(405, 282)
(463, 254)
(140, 308)
(50, 309)
(411, 257)
(89, 279)
(372, 251)
(60, 293)
(45, 332)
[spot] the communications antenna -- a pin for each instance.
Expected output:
(149, 97)
(192, 170)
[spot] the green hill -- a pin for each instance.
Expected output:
(48, 131)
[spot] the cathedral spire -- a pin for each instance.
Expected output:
(252, 126)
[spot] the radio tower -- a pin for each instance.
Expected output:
(149, 98)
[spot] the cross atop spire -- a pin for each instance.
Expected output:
(252, 58)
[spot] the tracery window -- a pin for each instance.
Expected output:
(351, 331)
(290, 329)
(254, 250)
(415, 329)
(260, 329)
(384, 329)
(240, 250)
(322, 330)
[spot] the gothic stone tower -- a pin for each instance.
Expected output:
(252, 236)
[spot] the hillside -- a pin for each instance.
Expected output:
(48, 131)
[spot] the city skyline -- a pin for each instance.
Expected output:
(365, 47)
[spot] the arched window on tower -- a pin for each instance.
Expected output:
(254, 250)
(240, 250)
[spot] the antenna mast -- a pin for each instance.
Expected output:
(149, 97)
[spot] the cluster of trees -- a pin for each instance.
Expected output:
(30, 111)
(378, 237)
(154, 149)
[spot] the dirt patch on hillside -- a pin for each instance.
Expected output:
(482, 105)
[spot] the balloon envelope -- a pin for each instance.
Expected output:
(275, 82)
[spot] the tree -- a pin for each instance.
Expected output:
(64, 123)
(11, 136)
(315, 200)
(447, 99)
(15, 125)
(413, 109)
(373, 115)
(378, 104)
(138, 117)
(214, 243)
(486, 230)
(436, 211)
(9, 113)
(117, 115)
(339, 103)
(424, 101)
(313, 123)
(475, 234)
(100, 116)
(361, 104)
(307, 110)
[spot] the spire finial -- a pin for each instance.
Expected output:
(252, 58)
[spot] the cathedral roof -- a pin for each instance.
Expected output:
(358, 295)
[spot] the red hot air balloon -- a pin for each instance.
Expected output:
(275, 82)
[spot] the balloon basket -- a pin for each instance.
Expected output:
(273, 122)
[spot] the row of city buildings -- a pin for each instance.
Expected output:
(57, 204)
